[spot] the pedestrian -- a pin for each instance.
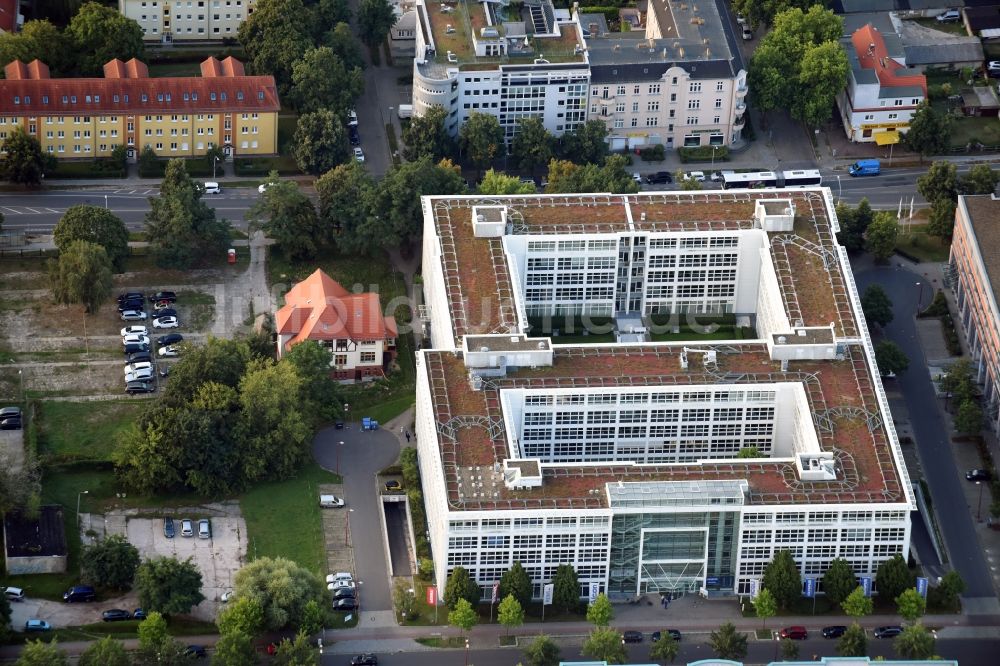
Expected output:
(407, 436)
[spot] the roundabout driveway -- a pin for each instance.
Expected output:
(361, 456)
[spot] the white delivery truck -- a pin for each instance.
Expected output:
(405, 111)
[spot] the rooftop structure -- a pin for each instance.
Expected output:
(35, 545)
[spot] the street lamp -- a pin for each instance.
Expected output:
(347, 528)
(714, 148)
(920, 293)
(20, 381)
(466, 652)
(215, 160)
(777, 639)
(78, 496)
(339, 444)
(979, 510)
(840, 191)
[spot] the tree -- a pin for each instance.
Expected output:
(839, 580)
(481, 138)
(288, 216)
(105, 652)
(497, 182)
(532, 146)
(889, 358)
(5, 613)
(319, 142)
(911, 605)
(110, 563)
(37, 653)
(330, 12)
(728, 643)
(464, 616)
(853, 225)
(100, 34)
(665, 649)
(969, 418)
(180, 227)
(460, 586)
(789, 650)
(510, 613)
(168, 586)
(857, 604)
(765, 606)
(893, 576)
(234, 649)
(748, 452)
(565, 588)
(605, 644)
(762, 12)
(916, 642)
(945, 594)
(242, 615)
(95, 225)
(395, 213)
(319, 395)
(282, 587)
(342, 41)
(566, 177)
(941, 221)
(981, 179)
(275, 36)
(299, 652)
(880, 239)
(147, 159)
(600, 612)
(81, 274)
(687, 184)
(929, 131)
(876, 305)
(822, 76)
(321, 81)
(586, 143)
(782, 578)
(345, 195)
(939, 182)
(427, 136)
(542, 651)
(854, 642)
(375, 17)
(23, 162)
(37, 40)
(959, 380)
(156, 646)
(515, 581)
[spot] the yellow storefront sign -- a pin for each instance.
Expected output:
(868, 126)
(887, 138)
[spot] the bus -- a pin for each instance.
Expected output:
(802, 178)
(748, 179)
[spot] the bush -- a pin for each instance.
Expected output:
(653, 153)
(937, 308)
(951, 340)
(703, 154)
(262, 166)
(610, 13)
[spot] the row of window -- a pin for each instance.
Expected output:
(143, 97)
(654, 396)
(694, 87)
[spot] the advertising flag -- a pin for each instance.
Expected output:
(432, 594)
(496, 591)
(595, 589)
(547, 594)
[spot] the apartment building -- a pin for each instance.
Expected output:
(509, 60)
(175, 116)
(169, 21)
(975, 277)
(679, 81)
(882, 92)
(621, 456)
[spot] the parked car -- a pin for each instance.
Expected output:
(341, 575)
(341, 585)
(162, 305)
(393, 486)
(354, 137)
(138, 614)
(226, 596)
(36, 625)
(352, 118)
(140, 386)
(338, 425)
(166, 312)
(79, 593)
(263, 188)
(134, 339)
(196, 651)
(345, 605)
(977, 475)
(136, 367)
(740, 19)
(139, 375)
(359, 155)
(14, 594)
(212, 188)
(949, 16)
(169, 339)
(165, 322)
(656, 635)
(890, 631)
(344, 593)
(365, 660)
(168, 527)
(139, 357)
(131, 305)
(632, 636)
(13, 423)
(747, 33)
(187, 528)
(163, 296)
(834, 631)
(993, 68)
(10, 412)
(170, 350)
(330, 502)
(133, 315)
(795, 633)
(659, 178)
(204, 529)
(116, 615)
(695, 175)
(131, 296)
(135, 348)
(134, 330)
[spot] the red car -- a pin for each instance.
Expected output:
(795, 633)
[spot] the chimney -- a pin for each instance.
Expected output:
(592, 29)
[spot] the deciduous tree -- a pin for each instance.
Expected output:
(566, 177)
(890, 358)
(95, 225)
(605, 644)
(156, 646)
(375, 17)
(464, 616)
(839, 580)
(168, 586)
(497, 182)
(916, 642)
(532, 146)
(665, 649)
(321, 81)
(81, 274)
(765, 606)
(288, 216)
(941, 221)
(298, 652)
(857, 604)
(320, 142)
(882, 234)
(586, 143)
(23, 162)
(565, 588)
(319, 396)
(343, 43)
(959, 380)
(542, 651)
(981, 179)
(37, 40)
(510, 613)
(281, 587)
(345, 199)
(234, 649)
(854, 642)
(789, 650)
(100, 34)
(782, 578)
(328, 13)
(878, 310)
(110, 563)
(481, 138)
(274, 36)
(37, 653)
(460, 586)
(853, 225)
(105, 652)
(911, 605)
(600, 612)
(940, 182)
(515, 581)
(427, 136)
(929, 131)
(945, 594)
(396, 215)
(242, 615)
(969, 418)
(893, 576)
(822, 76)
(728, 643)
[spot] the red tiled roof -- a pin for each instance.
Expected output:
(319, 308)
(127, 88)
(36, 69)
(873, 55)
(230, 66)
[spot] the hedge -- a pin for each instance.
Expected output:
(703, 154)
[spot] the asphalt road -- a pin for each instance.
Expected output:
(40, 211)
(932, 439)
(969, 652)
(361, 457)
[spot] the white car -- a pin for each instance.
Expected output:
(139, 375)
(740, 19)
(133, 315)
(226, 596)
(135, 339)
(136, 367)
(212, 188)
(949, 16)
(359, 154)
(352, 118)
(340, 584)
(330, 502)
(165, 322)
(333, 578)
(263, 188)
(134, 330)
(169, 350)
(695, 175)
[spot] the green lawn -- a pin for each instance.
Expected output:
(261, 166)
(916, 242)
(283, 518)
(724, 332)
(73, 431)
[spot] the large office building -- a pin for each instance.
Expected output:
(623, 456)
(975, 268)
(170, 21)
(677, 81)
(174, 116)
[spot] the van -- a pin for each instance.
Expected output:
(865, 168)
(212, 188)
(405, 111)
(15, 594)
(79, 593)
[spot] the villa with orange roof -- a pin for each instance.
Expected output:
(361, 340)
(882, 92)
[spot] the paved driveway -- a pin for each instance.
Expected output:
(362, 456)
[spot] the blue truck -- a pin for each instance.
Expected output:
(865, 168)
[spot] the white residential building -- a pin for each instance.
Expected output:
(183, 20)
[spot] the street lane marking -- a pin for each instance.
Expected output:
(13, 212)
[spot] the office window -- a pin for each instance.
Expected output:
(694, 86)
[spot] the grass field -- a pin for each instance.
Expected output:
(283, 518)
(915, 241)
(72, 431)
